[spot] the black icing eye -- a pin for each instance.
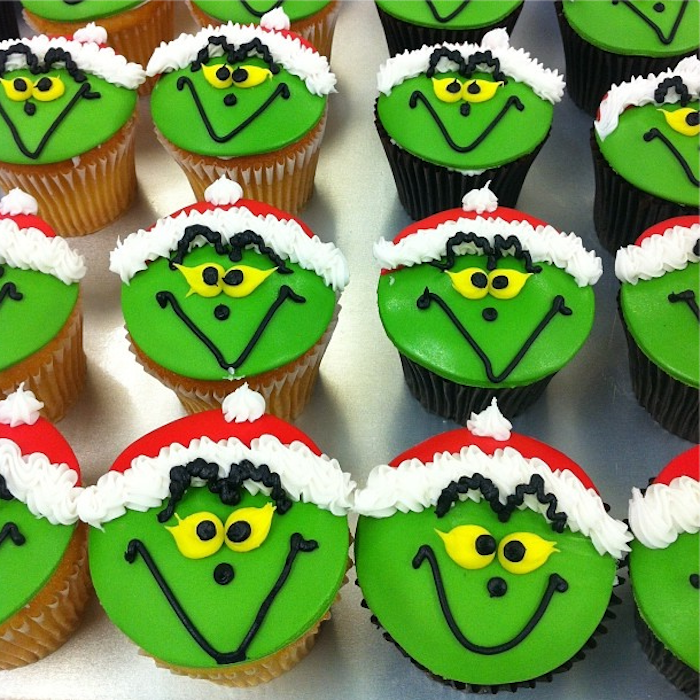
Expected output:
(239, 531)
(210, 276)
(240, 75)
(233, 278)
(20, 84)
(248, 528)
(692, 119)
(514, 551)
(223, 73)
(485, 545)
(454, 87)
(473, 88)
(499, 282)
(206, 530)
(43, 85)
(480, 280)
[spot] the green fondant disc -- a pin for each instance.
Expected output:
(78, 11)
(253, 10)
(450, 14)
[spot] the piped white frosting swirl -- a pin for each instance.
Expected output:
(21, 407)
(480, 200)
(490, 423)
(243, 405)
(17, 201)
(275, 19)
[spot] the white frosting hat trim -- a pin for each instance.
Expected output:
(640, 91)
(515, 63)
(287, 51)
(665, 511)
(101, 61)
(658, 254)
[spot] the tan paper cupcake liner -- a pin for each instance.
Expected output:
(55, 373)
(48, 620)
(81, 195)
(283, 179)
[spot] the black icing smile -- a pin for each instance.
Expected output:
(11, 531)
(556, 584)
(259, 13)
(297, 544)
(655, 133)
(558, 307)
(665, 39)
(443, 19)
(9, 290)
(282, 90)
(165, 298)
(687, 296)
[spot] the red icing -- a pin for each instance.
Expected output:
(25, 221)
(685, 221)
(685, 464)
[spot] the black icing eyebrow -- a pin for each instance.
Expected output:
(673, 83)
(465, 68)
(53, 55)
(5, 494)
(233, 54)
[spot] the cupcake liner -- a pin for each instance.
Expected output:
(48, 620)
(55, 373)
(621, 212)
(286, 390)
(678, 673)
(8, 21)
(283, 179)
(83, 194)
(590, 71)
(425, 188)
(403, 36)
(457, 401)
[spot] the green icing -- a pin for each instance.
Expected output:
(505, 138)
(666, 332)
(37, 317)
(68, 126)
(651, 165)
(667, 602)
(78, 10)
(223, 614)
(431, 339)
(637, 27)
(244, 12)
(25, 569)
(208, 129)
(451, 14)
(164, 337)
(405, 601)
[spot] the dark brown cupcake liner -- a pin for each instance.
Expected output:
(403, 36)
(675, 671)
(425, 188)
(590, 70)
(8, 21)
(621, 211)
(458, 401)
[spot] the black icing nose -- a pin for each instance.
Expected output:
(223, 574)
(222, 312)
(497, 587)
(230, 100)
(489, 314)
(694, 580)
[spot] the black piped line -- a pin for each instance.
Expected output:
(687, 296)
(665, 40)
(654, 133)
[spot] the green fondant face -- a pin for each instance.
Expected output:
(234, 108)
(470, 122)
(453, 14)
(247, 11)
(230, 606)
(637, 27)
(52, 115)
(655, 147)
(214, 319)
(502, 327)
(33, 309)
(667, 598)
(500, 621)
(78, 10)
(662, 316)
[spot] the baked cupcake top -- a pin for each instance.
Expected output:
(252, 11)
(487, 556)
(486, 295)
(648, 131)
(78, 10)
(220, 538)
(665, 558)
(62, 97)
(39, 279)
(39, 475)
(660, 293)
(237, 286)
(238, 90)
(637, 27)
(466, 106)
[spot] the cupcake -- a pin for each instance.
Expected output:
(408, 25)
(312, 19)
(42, 547)
(487, 557)
(645, 154)
(242, 291)
(454, 117)
(230, 582)
(658, 304)
(67, 128)
(134, 27)
(40, 308)
(246, 102)
(608, 43)
(664, 565)
(483, 302)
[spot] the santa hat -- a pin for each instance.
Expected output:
(426, 240)
(29, 243)
(670, 505)
(37, 464)
(414, 480)
(140, 477)
(225, 212)
(667, 246)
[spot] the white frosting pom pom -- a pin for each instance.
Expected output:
(91, 34)
(276, 19)
(16, 202)
(490, 423)
(480, 200)
(243, 405)
(223, 192)
(20, 408)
